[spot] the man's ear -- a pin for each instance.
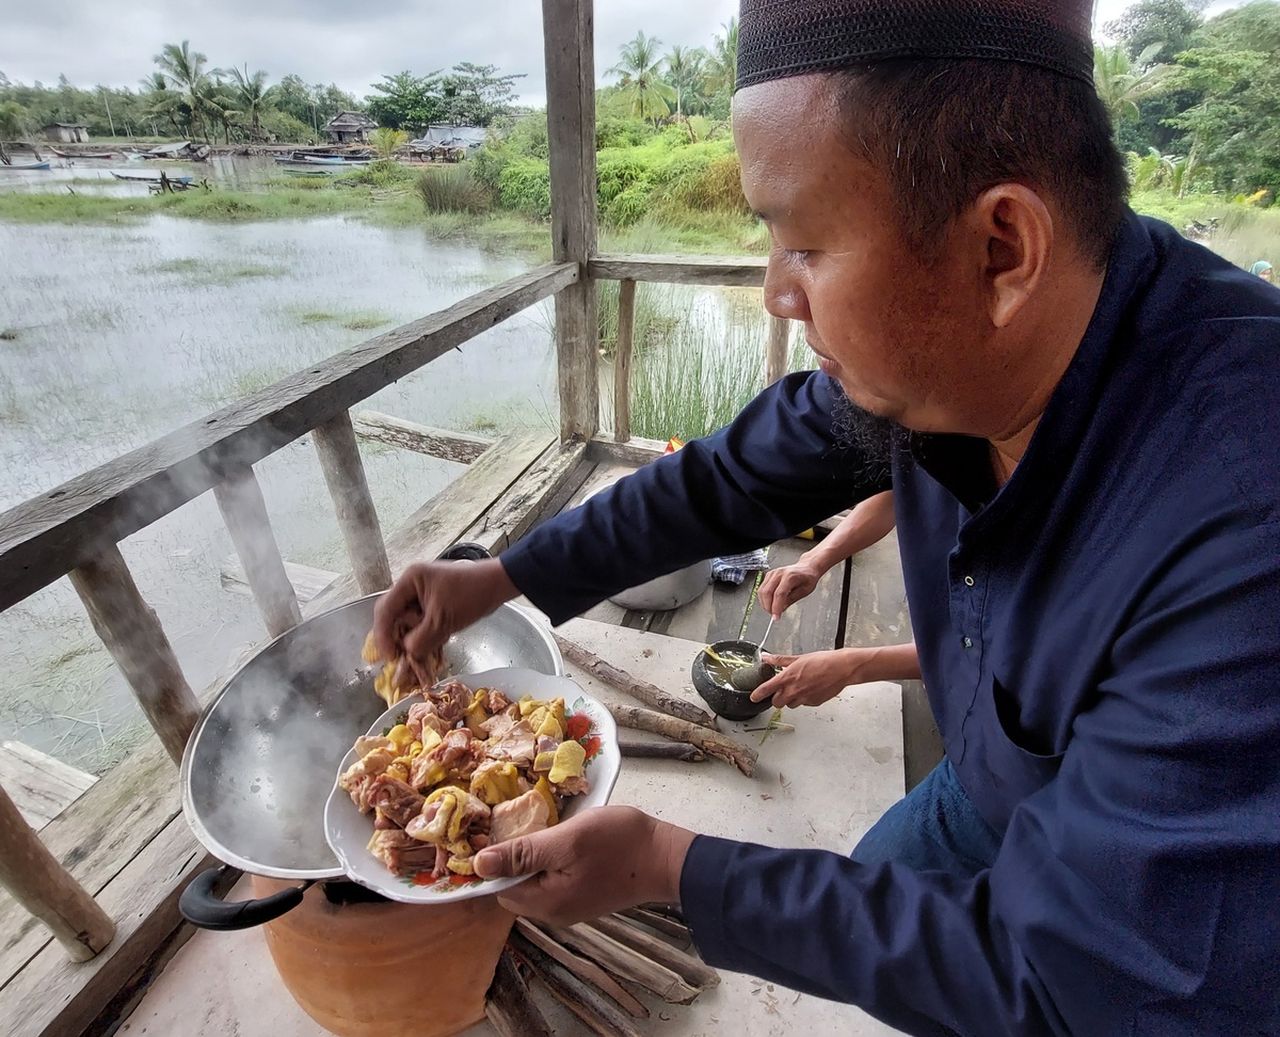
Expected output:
(1014, 231)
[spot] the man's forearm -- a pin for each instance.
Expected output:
(867, 524)
(889, 663)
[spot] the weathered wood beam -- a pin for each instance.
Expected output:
(421, 439)
(622, 362)
(43, 538)
(729, 271)
(540, 493)
(568, 34)
(307, 581)
(244, 511)
(634, 452)
(40, 884)
(775, 357)
(129, 629)
(339, 453)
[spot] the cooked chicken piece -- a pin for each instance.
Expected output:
(498, 725)
(356, 779)
(517, 745)
(402, 855)
(368, 743)
(395, 800)
(520, 816)
(495, 701)
(450, 814)
(456, 757)
(573, 786)
(451, 700)
(496, 781)
(423, 717)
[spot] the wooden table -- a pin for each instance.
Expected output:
(820, 786)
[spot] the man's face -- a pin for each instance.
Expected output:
(902, 333)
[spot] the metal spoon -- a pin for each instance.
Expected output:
(748, 678)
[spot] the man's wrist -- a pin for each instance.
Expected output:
(670, 845)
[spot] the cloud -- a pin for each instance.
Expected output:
(323, 40)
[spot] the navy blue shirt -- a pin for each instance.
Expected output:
(1101, 643)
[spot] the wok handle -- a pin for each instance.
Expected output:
(202, 907)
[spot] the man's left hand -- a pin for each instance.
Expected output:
(808, 680)
(601, 861)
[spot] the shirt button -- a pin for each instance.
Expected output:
(968, 581)
(967, 642)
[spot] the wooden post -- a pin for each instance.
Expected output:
(132, 634)
(44, 887)
(568, 34)
(245, 512)
(775, 359)
(344, 473)
(622, 361)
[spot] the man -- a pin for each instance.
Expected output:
(1086, 476)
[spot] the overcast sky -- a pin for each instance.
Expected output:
(339, 41)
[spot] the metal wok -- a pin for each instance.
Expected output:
(263, 756)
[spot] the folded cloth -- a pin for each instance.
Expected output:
(734, 568)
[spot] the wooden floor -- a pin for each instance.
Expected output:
(125, 840)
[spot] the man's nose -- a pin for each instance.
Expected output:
(783, 296)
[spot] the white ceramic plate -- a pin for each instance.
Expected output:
(349, 831)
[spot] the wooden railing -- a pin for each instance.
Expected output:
(75, 530)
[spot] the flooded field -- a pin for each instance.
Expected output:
(111, 336)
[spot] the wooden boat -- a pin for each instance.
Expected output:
(322, 160)
(309, 172)
(16, 166)
(152, 178)
(83, 154)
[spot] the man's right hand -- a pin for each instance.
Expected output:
(783, 587)
(433, 600)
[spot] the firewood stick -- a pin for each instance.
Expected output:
(579, 997)
(713, 743)
(661, 923)
(626, 963)
(686, 966)
(661, 751)
(649, 694)
(510, 1007)
(587, 971)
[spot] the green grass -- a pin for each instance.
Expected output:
(229, 206)
(356, 320)
(213, 272)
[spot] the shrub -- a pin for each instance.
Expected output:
(385, 172)
(452, 189)
(525, 186)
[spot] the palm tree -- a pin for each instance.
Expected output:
(386, 141)
(685, 71)
(184, 70)
(1122, 83)
(722, 66)
(14, 121)
(252, 97)
(641, 77)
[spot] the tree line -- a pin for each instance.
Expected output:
(185, 96)
(1196, 101)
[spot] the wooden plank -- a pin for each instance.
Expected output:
(739, 271)
(776, 351)
(634, 453)
(307, 581)
(540, 492)
(244, 511)
(339, 453)
(443, 519)
(568, 35)
(36, 880)
(41, 786)
(41, 539)
(131, 632)
(622, 362)
(94, 839)
(53, 997)
(421, 439)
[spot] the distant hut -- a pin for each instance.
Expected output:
(349, 128)
(66, 132)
